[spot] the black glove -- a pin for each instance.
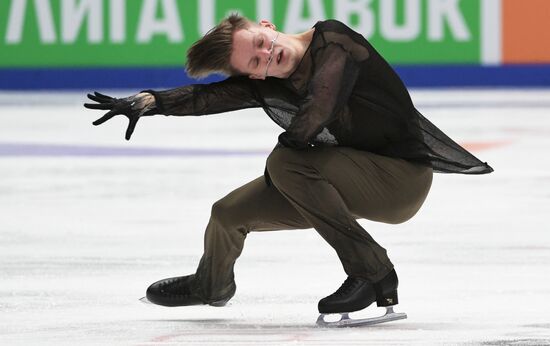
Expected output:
(133, 107)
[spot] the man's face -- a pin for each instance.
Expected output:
(251, 52)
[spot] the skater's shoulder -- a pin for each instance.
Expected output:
(332, 25)
(335, 32)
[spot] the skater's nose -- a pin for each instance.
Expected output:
(265, 54)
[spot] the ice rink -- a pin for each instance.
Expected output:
(89, 220)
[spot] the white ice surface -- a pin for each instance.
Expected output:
(82, 237)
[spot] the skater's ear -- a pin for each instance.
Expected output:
(267, 24)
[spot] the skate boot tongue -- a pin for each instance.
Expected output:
(349, 285)
(176, 291)
(354, 294)
(185, 290)
(183, 286)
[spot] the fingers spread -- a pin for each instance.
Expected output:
(98, 99)
(131, 127)
(104, 118)
(100, 95)
(103, 106)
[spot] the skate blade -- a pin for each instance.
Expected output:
(345, 321)
(145, 300)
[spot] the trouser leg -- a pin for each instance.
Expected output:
(252, 207)
(331, 187)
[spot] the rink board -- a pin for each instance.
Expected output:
(426, 76)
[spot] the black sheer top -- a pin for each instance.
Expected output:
(342, 93)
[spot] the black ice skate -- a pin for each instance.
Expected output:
(356, 294)
(182, 291)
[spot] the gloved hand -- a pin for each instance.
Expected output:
(133, 107)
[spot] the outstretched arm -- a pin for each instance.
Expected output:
(196, 99)
(200, 99)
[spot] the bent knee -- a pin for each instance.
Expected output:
(225, 213)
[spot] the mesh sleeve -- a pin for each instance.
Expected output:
(331, 85)
(200, 99)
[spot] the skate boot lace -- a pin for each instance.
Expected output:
(348, 286)
(179, 286)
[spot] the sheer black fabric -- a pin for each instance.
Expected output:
(342, 93)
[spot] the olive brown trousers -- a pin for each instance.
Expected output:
(325, 188)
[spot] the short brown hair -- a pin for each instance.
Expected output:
(212, 52)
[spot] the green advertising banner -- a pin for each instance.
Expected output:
(100, 33)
